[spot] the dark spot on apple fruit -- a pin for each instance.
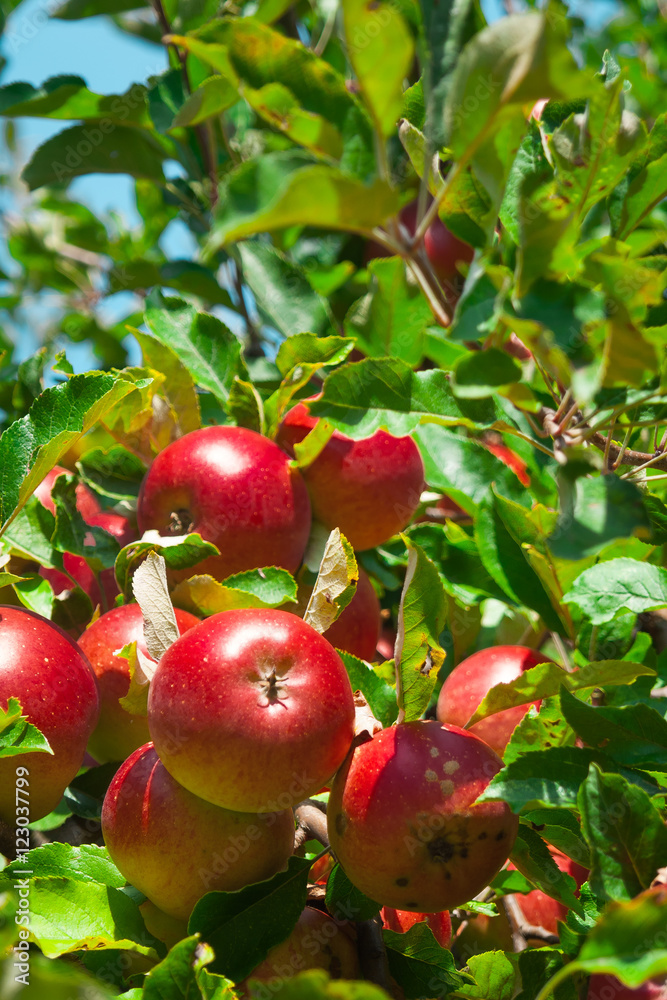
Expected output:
(441, 849)
(402, 881)
(341, 823)
(500, 835)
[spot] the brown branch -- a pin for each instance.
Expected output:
(522, 931)
(560, 435)
(311, 823)
(372, 953)
(630, 457)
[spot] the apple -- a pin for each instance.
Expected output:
(470, 681)
(161, 925)
(45, 669)
(368, 488)
(236, 489)
(403, 822)
(495, 444)
(174, 847)
(251, 710)
(386, 643)
(602, 986)
(480, 933)
(402, 920)
(118, 732)
(541, 910)
(357, 628)
(317, 942)
(76, 566)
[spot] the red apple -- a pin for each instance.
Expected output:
(403, 823)
(605, 987)
(56, 687)
(357, 628)
(386, 643)
(368, 488)
(252, 710)
(402, 920)
(317, 942)
(541, 910)
(469, 682)
(237, 490)
(174, 847)
(76, 566)
(118, 732)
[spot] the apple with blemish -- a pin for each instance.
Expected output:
(235, 488)
(471, 680)
(369, 488)
(404, 822)
(45, 670)
(252, 710)
(175, 847)
(118, 732)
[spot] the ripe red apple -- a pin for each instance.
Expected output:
(317, 942)
(357, 628)
(174, 847)
(56, 687)
(602, 986)
(470, 681)
(76, 566)
(369, 488)
(541, 910)
(402, 920)
(118, 732)
(402, 822)
(252, 710)
(235, 488)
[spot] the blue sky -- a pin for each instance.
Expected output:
(38, 47)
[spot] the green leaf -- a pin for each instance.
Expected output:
(72, 534)
(625, 832)
(560, 828)
(203, 344)
(208, 100)
(312, 353)
(391, 319)
(516, 60)
(68, 915)
(17, 735)
(546, 680)
(243, 926)
(282, 293)
(595, 512)
(178, 388)
(85, 149)
(61, 980)
(31, 446)
(345, 901)
(530, 161)
(245, 406)
(539, 731)
(316, 984)
(380, 695)
(551, 778)
(72, 10)
(258, 588)
(88, 863)
(617, 584)
(178, 552)
(531, 856)
(284, 189)
(381, 50)
(114, 473)
(176, 977)
(29, 534)
(336, 583)
(507, 562)
(495, 975)
(481, 373)
(421, 619)
(635, 735)
(419, 965)
(36, 594)
(68, 97)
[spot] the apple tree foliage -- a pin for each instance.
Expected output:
(286, 137)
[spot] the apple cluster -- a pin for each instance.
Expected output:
(251, 711)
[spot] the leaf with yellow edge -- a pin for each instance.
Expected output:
(270, 587)
(336, 583)
(421, 619)
(142, 669)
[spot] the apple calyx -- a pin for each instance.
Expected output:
(181, 522)
(273, 688)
